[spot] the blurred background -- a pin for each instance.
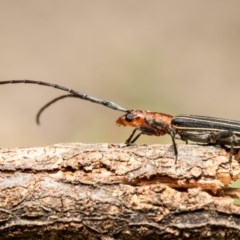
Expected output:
(167, 56)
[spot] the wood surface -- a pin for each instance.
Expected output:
(112, 191)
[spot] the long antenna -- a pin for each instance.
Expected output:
(76, 94)
(40, 111)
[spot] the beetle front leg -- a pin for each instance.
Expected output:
(131, 139)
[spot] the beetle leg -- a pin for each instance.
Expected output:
(131, 139)
(172, 133)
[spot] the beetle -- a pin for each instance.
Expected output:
(200, 129)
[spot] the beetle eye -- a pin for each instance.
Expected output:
(129, 117)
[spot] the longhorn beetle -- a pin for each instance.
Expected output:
(200, 129)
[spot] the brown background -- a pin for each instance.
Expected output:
(167, 56)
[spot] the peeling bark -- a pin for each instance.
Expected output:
(106, 191)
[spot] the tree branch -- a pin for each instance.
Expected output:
(106, 191)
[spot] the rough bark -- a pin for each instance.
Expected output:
(106, 191)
